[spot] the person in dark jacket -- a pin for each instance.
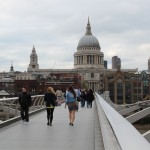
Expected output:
(25, 102)
(50, 99)
(83, 98)
(90, 98)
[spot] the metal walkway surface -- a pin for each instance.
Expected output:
(60, 136)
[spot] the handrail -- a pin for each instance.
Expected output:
(127, 135)
(14, 98)
(109, 140)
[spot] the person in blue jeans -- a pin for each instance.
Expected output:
(83, 97)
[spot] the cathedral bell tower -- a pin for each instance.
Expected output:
(33, 66)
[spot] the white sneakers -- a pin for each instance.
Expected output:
(24, 122)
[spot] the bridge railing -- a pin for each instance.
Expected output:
(10, 108)
(117, 132)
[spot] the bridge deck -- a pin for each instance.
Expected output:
(37, 135)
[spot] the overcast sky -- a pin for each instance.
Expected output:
(55, 27)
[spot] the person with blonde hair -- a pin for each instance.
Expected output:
(50, 99)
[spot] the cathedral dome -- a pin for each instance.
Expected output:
(88, 41)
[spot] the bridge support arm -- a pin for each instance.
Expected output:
(137, 116)
(129, 110)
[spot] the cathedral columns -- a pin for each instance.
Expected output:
(102, 61)
(93, 85)
(85, 59)
(75, 60)
(98, 59)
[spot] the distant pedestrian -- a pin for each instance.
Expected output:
(50, 99)
(83, 98)
(90, 98)
(72, 104)
(59, 95)
(25, 102)
(86, 102)
(78, 94)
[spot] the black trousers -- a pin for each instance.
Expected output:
(89, 104)
(25, 113)
(50, 114)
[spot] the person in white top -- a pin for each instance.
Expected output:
(59, 95)
(78, 94)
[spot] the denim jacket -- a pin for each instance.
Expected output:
(70, 97)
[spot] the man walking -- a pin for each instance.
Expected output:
(25, 102)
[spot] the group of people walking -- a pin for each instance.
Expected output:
(72, 99)
(86, 98)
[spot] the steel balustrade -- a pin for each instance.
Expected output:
(109, 140)
(127, 136)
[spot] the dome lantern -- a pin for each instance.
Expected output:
(88, 40)
(88, 28)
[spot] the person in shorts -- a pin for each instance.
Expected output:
(71, 101)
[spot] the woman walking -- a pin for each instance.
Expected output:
(72, 104)
(50, 99)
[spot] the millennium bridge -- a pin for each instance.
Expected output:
(106, 126)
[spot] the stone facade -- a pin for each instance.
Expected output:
(127, 87)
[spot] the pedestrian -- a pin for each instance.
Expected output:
(78, 94)
(90, 98)
(71, 101)
(25, 102)
(59, 95)
(50, 99)
(83, 97)
(86, 102)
